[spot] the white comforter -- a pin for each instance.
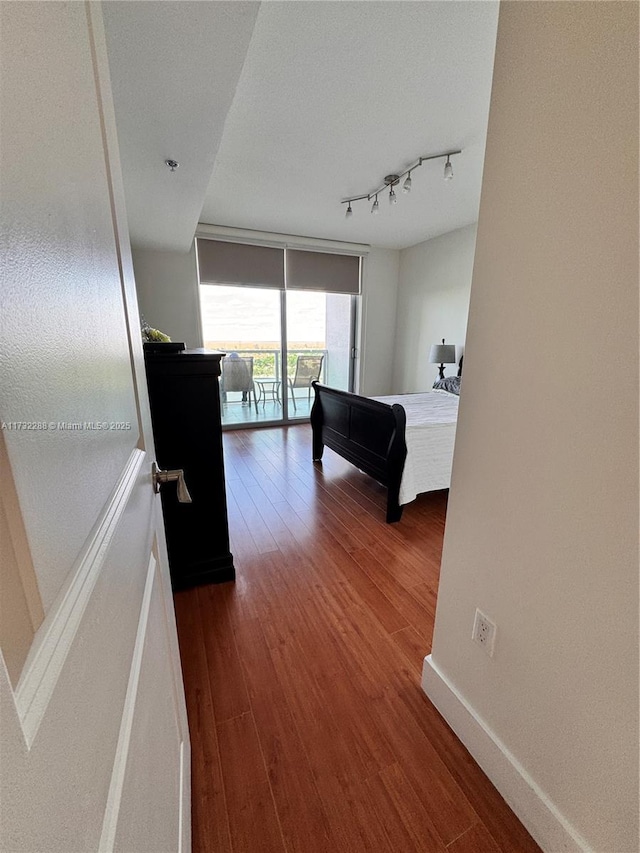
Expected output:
(430, 436)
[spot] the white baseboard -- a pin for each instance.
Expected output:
(550, 829)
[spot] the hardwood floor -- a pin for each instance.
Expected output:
(310, 732)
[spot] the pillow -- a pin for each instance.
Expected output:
(449, 383)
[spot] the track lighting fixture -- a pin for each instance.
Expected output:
(393, 181)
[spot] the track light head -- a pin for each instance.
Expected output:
(406, 187)
(392, 181)
(448, 170)
(375, 207)
(349, 212)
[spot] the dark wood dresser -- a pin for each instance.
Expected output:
(185, 412)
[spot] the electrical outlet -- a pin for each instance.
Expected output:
(484, 632)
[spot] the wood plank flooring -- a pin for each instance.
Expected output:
(310, 732)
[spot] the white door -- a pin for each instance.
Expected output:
(93, 736)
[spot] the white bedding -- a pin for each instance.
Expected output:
(430, 435)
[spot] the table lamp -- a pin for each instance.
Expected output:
(443, 354)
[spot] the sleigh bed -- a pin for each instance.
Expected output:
(403, 442)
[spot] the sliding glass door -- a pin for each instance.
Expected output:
(277, 342)
(245, 323)
(319, 345)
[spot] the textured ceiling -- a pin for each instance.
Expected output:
(298, 105)
(335, 95)
(174, 70)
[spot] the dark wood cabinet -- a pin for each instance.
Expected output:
(185, 412)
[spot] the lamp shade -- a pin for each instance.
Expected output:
(442, 354)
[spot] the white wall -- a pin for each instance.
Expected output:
(433, 303)
(542, 527)
(167, 285)
(377, 334)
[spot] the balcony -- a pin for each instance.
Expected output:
(238, 410)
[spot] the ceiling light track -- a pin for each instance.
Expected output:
(392, 181)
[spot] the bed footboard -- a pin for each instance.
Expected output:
(365, 432)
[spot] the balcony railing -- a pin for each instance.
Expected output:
(268, 362)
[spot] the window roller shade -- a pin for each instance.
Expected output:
(322, 271)
(240, 264)
(221, 262)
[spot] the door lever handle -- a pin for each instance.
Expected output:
(159, 478)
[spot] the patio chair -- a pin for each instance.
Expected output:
(308, 369)
(237, 376)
